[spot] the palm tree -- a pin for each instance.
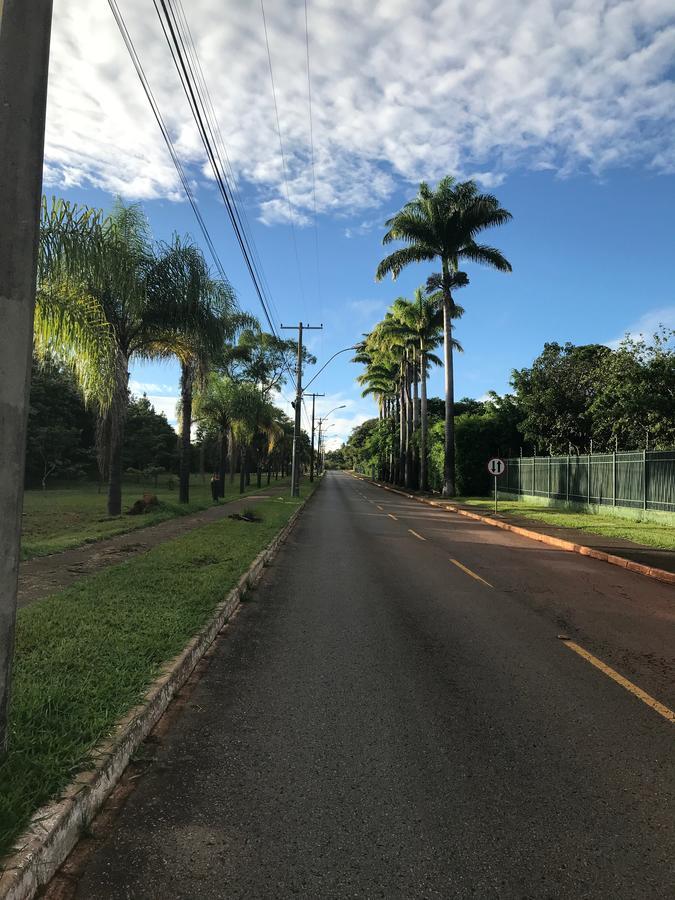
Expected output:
(102, 262)
(213, 407)
(443, 224)
(423, 321)
(198, 314)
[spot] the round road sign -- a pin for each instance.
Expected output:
(496, 466)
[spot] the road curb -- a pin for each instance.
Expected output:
(55, 828)
(630, 565)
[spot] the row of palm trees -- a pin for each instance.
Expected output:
(108, 295)
(439, 225)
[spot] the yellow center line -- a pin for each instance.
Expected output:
(469, 572)
(624, 682)
(392, 516)
(418, 536)
(379, 507)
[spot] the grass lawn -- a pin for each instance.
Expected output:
(649, 533)
(85, 656)
(61, 518)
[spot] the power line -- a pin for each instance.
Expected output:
(179, 49)
(311, 148)
(169, 29)
(203, 92)
(283, 156)
(176, 46)
(128, 42)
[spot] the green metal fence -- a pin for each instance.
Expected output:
(641, 479)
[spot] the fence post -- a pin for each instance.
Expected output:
(548, 478)
(644, 479)
(567, 480)
(589, 479)
(614, 478)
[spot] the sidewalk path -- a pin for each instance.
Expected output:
(47, 574)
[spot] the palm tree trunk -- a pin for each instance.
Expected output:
(186, 383)
(242, 471)
(402, 429)
(233, 457)
(424, 478)
(415, 420)
(222, 462)
(408, 427)
(118, 416)
(449, 452)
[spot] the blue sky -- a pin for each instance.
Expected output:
(565, 110)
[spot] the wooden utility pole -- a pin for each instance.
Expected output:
(311, 458)
(24, 61)
(295, 465)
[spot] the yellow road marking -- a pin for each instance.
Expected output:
(379, 507)
(418, 536)
(624, 682)
(469, 572)
(392, 516)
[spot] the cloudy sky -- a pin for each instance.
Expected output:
(565, 109)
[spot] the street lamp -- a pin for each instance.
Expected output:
(321, 421)
(311, 458)
(316, 375)
(321, 451)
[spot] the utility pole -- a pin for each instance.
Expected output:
(311, 458)
(295, 465)
(25, 30)
(318, 449)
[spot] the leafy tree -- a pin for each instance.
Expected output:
(150, 442)
(60, 436)
(634, 401)
(557, 394)
(264, 359)
(443, 225)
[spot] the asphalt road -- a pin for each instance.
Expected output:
(381, 723)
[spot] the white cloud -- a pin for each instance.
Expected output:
(369, 309)
(150, 387)
(647, 325)
(166, 405)
(571, 85)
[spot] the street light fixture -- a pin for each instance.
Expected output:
(316, 375)
(321, 423)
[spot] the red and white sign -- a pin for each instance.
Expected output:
(496, 466)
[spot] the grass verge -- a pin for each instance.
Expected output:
(64, 518)
(649, 533)
(85, 656)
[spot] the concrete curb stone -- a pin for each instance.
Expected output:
(55, 829)
(630, 565)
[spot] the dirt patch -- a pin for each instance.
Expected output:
(48, 574)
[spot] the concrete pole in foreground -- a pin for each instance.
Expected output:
(24, 61)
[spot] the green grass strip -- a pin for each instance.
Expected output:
(64, 518)
(648, 533)
(85, 656)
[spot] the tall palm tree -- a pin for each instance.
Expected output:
(213, 407)
(105, 262)
(197, 314)
(443, 224)
(423, 321)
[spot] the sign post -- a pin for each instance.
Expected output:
(496, 467)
